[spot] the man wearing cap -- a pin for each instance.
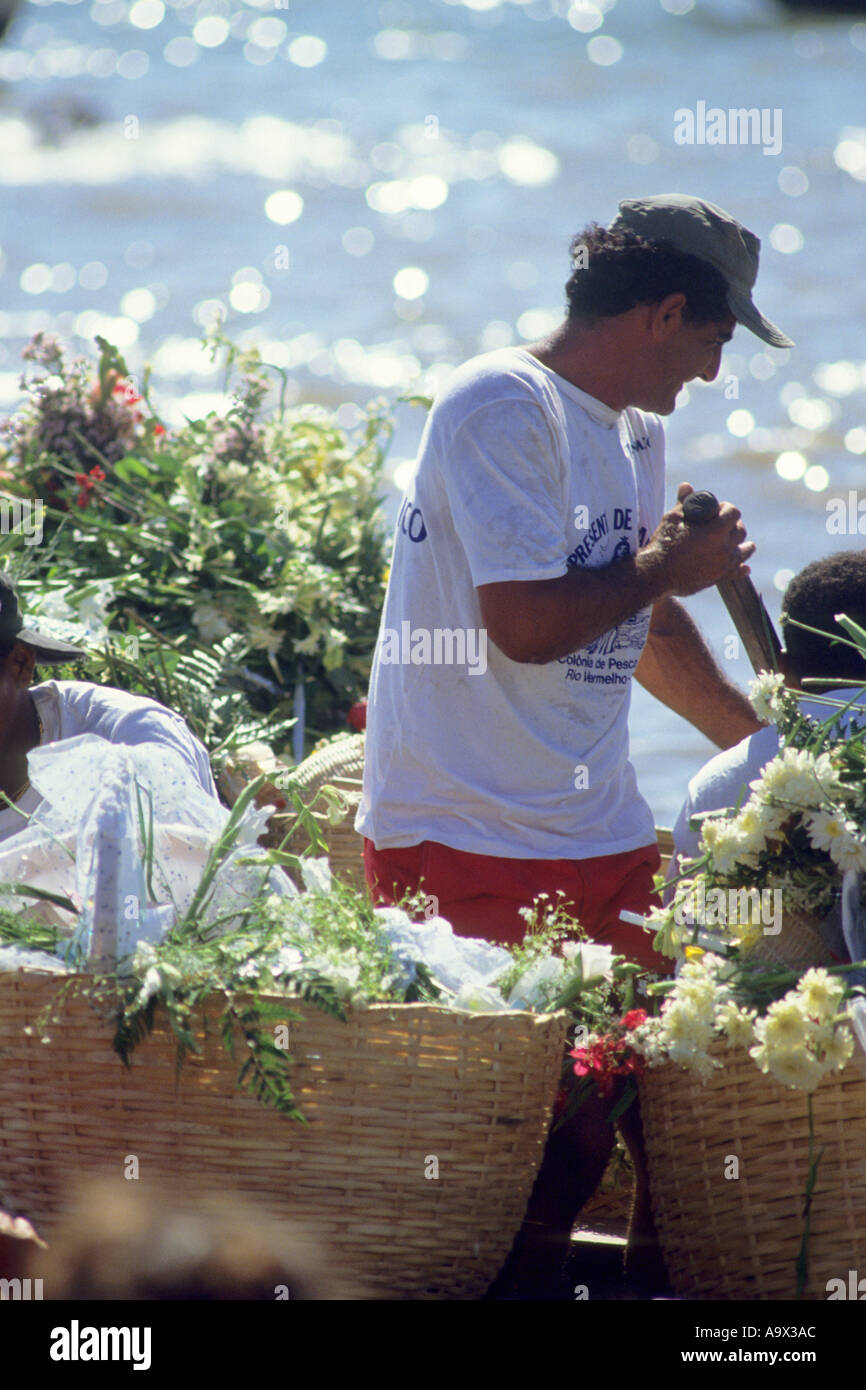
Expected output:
(534, 573)
(55, 710)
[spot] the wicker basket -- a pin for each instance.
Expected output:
(384, 1094)
(738, 1238)
(342, 765)
(798, 945)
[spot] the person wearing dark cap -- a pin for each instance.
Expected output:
(53, 710)
(536, 519)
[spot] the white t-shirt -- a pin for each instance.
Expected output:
(67, 708)
(520, 475)
(724, 780)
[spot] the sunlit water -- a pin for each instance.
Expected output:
(374, 193)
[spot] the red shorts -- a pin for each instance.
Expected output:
(481, 895)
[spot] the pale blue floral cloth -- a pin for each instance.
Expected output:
(125, 833)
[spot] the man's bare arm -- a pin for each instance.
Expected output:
(677, 668)
(541, 620)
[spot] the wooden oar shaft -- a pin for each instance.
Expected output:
(752, 621)
(740, 597)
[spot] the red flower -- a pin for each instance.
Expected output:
(124, 389)
(87, 482)
(634, 1018)
(608, 1057)
(357, 716)
(159, 429)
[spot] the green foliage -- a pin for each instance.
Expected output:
(205, 687)
(261, 525)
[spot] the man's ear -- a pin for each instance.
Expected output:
(22, 660)
(667, 316)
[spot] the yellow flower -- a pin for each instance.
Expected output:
(786, 1025)
(839, 1050)
(737, 1024)
(796, 1068)
(694, 952)
(820, 993)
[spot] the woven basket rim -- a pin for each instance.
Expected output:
(33, 975)
(343, 758)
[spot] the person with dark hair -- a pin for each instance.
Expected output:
(615, 271)
(495, 771)
(498, 770)
(53, 710)
(813, 598)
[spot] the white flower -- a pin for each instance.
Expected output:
(287, 959)
(479, 999)
(537, 984)
(797, 778)
(262, 637)
(150, 985)
(821, 993)
(144, 957)
(249, 970)
(750, 827)
(232, 472)
(698, 997)
(92, 609)
(596, 960)
(210, 622)
(737, 1023)
(826, 828)
(793, 1067)
(316, 874)
(647, 1040)
(839, 1050)
(849, 851)
(345, 970)
(686, 1037)
(787, 1024)
(727, 846)
(764, 692)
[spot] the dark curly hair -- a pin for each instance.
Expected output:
(623, 270)
(834, 585)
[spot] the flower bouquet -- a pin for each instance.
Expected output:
(260, 522)
(770, 870)
(756, 1048)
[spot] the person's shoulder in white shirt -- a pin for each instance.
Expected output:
(69, 708)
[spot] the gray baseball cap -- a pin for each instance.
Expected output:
(49, 650)
(701, 229)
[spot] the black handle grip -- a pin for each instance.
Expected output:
(700, 507)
